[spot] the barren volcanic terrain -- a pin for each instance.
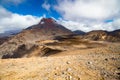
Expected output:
(49, 51)
(66, 59)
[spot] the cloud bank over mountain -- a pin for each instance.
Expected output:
(13, 21)
(90, 14)
(89, 9)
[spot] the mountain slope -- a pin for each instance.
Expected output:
(23, 42)
(3, 39)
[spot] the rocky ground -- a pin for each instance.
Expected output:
(72, 67)
(84, 61)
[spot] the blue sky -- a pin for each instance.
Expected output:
(32, 7)
(83, 15)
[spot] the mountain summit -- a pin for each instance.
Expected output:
(47, 20)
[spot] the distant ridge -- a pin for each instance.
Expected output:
(103, 35)
(79, 32)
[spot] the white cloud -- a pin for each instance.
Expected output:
(73, 25)
(4, 13)
(46, 6)
(88, 9)
(89, 15)
(116, 23)
(13, 21)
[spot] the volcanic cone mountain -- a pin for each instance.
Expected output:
(25, 41)
(46, 29)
